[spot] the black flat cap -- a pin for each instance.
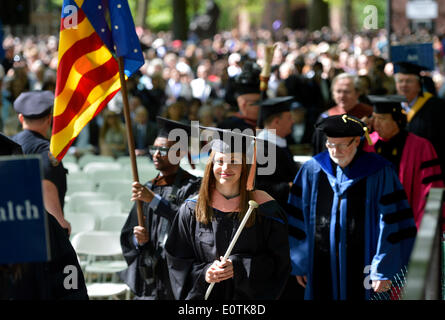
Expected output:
(167, 125)
(34, 104)
(387, 104)
(248, 81)
(276, 105)
(408, 68)
(340, 126)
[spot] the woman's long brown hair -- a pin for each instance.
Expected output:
(204, 210)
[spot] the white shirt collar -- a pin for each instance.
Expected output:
(272, 137)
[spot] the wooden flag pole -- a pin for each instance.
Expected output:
(130, 137)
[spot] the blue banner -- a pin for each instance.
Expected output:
(421, 54)
(23, 223)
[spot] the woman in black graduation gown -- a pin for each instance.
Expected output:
(259, 264)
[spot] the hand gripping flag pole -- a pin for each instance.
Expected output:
(252, 205)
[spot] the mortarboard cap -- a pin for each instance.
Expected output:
(34, 104)
(387, 104)
(273, 106)
(390, 104)
(340, 126)
(9, 146)
(167, 125)
(408, 68)
(248, 81)
(225, 141)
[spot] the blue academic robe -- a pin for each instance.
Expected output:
(389, 228)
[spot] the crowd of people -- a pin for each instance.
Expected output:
(318, 225)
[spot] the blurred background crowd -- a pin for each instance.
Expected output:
(186, 80)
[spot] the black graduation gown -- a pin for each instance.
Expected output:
(428, 123)
(158, 219)
(47, 280)
(277, 184)
(260, 257)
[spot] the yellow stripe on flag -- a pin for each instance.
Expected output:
(71, 35)
(98, 95)
(84, 64)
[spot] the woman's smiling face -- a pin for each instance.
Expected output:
(227, 168)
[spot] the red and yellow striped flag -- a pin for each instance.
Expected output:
(92, 34)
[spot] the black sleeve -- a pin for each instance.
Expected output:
(62, 255)
(187, 275)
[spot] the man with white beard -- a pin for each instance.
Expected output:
(348, 214)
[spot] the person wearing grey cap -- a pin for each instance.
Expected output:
(34, 113)
(350, 219)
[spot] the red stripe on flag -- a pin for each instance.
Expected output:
(98, 110)
(77, 50)
(69, 20)
(88, 81)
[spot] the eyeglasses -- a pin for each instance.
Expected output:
(339, 146)
(162, 150)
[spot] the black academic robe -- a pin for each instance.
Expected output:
(47, 280)
(147, 273)
(260, 257)
(277, 183)
(428, 123)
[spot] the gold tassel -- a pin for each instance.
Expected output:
(394, 151)
(368, 138)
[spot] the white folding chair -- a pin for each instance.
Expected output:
(124, 197)
(114, 187)
(78, 197)
(105, 245)
(81, 222)
(71, 167)
(77, 176)
(100, 208)
(114, 222)
(87, 158)
(95, 166)
(69, 158)
(76, 186)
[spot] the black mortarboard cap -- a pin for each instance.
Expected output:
(34, 104)
(167, 125)
(9, 146)
(248, 81)
(408, 68)
(273, 106)
(225, 141)
(340, 126)
(387, 104)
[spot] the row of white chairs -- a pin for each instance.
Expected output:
(87, 222)
(100, 256)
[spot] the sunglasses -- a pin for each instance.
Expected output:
(163, 151)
